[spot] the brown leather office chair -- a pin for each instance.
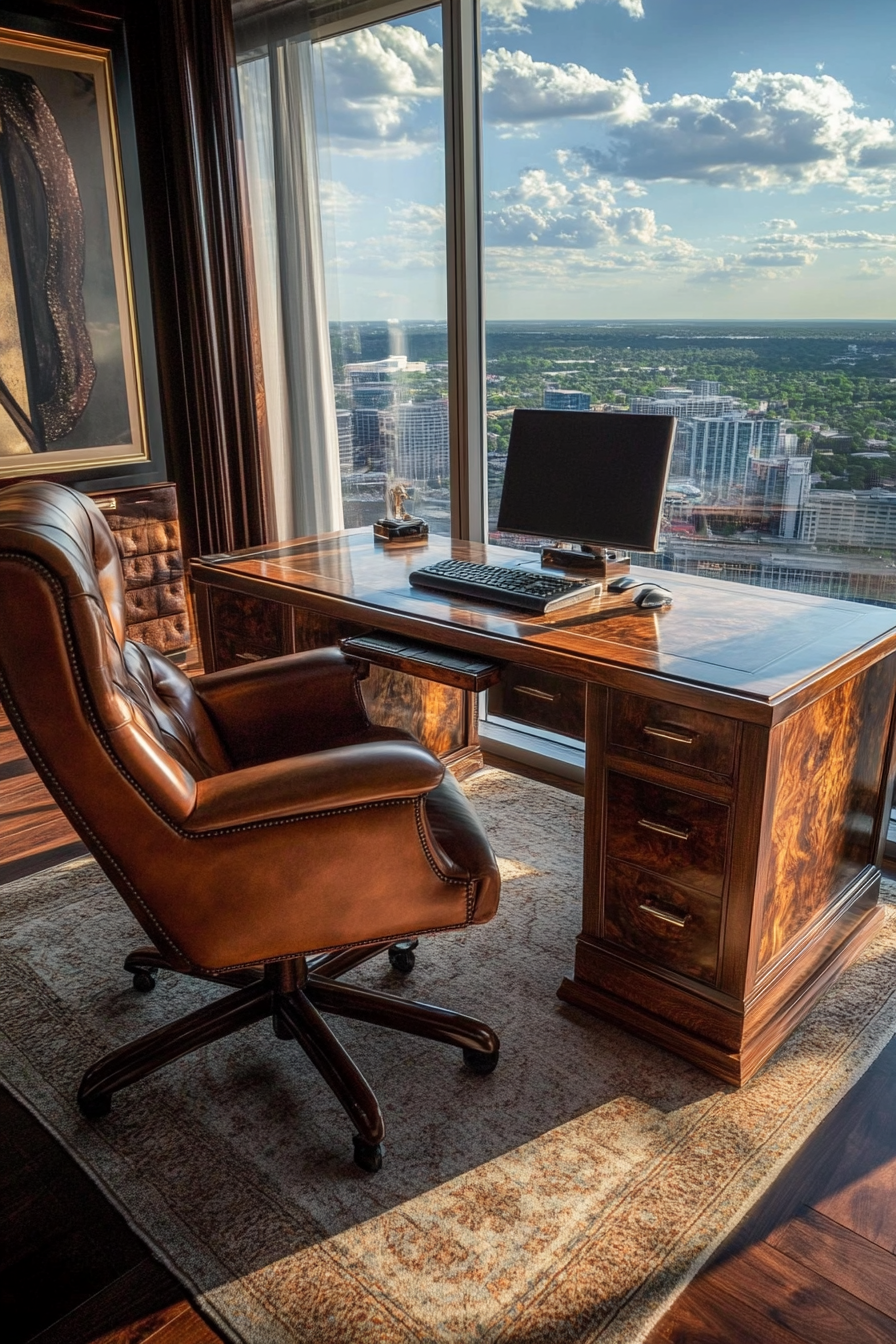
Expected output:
(264, 833)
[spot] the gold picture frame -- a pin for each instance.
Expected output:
(71, 388)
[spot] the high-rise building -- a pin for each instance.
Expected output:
(557, 399)
(374, 386)
(345, 431)
(849, 518)
(414, 435)
(704, 387)
(720, 452)
(681, 448)
(781, 486)
(773, 440)
(377, 383)
(682, 403)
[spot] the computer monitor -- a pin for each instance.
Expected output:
(597, 478)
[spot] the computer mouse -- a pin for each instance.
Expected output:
(622, 582)
(652, 596)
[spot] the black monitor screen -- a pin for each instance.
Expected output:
(587, 476)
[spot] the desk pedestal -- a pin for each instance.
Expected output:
(730, 869)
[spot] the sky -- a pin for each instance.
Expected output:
(681, 159)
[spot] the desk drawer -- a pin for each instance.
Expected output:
(675, 927)
(689, 737)
(668, 831)
(540, 698)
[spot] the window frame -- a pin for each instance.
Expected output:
(462, 100)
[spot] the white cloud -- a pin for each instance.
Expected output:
(783, 255)
(878, 267)
(841, 238)
(875, 208)
(382, 89)
(770, 130)
(545, 211)
(566, 227)
(518, 90)
(512, 14)
(338, 200)
(777, 257)
(414, 240)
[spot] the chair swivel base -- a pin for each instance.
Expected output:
(293, 994)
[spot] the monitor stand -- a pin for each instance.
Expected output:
(600, 561)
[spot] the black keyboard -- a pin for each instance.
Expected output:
(525, 589)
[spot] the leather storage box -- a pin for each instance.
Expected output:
(145, 526)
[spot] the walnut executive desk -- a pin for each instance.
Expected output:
(738, 773)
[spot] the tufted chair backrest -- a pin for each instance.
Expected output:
(57, 552)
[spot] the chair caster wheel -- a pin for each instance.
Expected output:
(94, 1108)
(368, 1156)
(401, 957)
(145, 979)
(480, 1062)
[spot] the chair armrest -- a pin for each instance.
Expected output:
(282, 707)
(324, 781)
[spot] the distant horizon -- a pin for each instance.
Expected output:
(625, 321)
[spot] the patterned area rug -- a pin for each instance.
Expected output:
(567, 1197)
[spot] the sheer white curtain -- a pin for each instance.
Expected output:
(277, 103)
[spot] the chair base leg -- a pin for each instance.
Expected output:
(294, 1000)
(480, 1045)
(138, 1059)
(332, 1061)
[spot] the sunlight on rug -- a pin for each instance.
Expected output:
(568, 1197)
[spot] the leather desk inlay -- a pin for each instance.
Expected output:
(737, 766)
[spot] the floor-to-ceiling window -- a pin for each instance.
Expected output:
(345, 148)
(690, 209)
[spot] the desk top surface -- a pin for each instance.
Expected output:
(749, 642)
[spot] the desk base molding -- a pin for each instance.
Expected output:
(743, 1040)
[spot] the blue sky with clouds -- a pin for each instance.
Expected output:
(643, 158)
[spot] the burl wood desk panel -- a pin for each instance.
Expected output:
(737, 771)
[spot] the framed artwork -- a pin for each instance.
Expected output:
(71, 390)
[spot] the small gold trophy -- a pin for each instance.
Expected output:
(400, 528)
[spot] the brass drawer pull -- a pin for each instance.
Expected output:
(665, 915)
(671, 735)
(677, 832)
(248, 657)
(535, 693)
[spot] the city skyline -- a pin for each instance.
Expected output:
(660, 160)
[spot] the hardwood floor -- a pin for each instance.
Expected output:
(71, 1270)
(33, 832)
(815, 1261)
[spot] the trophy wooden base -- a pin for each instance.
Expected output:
(401, 532)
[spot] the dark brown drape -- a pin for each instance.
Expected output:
(182, 73)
